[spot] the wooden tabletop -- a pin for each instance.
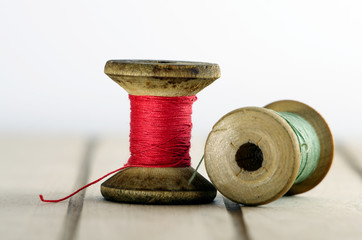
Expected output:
(57, 165)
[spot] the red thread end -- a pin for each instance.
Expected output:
(41, 198)
(54, 201)
(160, 134)
(80, 189)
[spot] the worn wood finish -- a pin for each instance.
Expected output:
(108, 220)
(332, 210)
(55, 166)
(33, 165)
(158, 186)
(160, 78)
(271, 134)
(252, 154)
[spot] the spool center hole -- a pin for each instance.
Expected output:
(249, 157)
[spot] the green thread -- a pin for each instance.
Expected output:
(194, 174)
(309, 144)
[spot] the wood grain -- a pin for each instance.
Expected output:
(54, 166)
(75, 203)
(333, 210)
(162, 78)
(350, 149)
(234, 209)
(108, 220)
(266, 131)
(29, 166)
(252, 154)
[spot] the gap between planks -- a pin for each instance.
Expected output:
(72, 220)
(102, 219)
(236, 213)
(350, 157)
(75, 205)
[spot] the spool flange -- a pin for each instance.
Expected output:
(252, 154)
(160, 185)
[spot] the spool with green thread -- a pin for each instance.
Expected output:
(256, 155)
(308, 141)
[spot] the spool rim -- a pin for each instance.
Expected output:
(325, 138)
(165, 79)
(247, 190)
(158, 186)
(162, 78)
(162, 69)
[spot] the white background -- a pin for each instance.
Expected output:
(52, 55)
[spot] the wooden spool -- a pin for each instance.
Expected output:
(252, 155)
(160, 185)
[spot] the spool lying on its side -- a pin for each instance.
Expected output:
(252, 154)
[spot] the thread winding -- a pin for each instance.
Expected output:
(309, 144)
(160, 131)
(160, 134)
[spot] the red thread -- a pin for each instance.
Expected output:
(160, 134)
(160, 131)
(80, 189)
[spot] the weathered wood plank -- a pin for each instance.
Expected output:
(75, 204)
(333, 210)
(234, 209)
(56, 166)
(30, 166)
(108, 220)
(351, 149)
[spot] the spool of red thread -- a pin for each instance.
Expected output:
(161, 95)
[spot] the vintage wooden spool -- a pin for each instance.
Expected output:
(263, 134)
(160, 185)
